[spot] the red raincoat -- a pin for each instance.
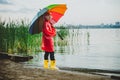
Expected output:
(47, 38)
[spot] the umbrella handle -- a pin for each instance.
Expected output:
(60, 36)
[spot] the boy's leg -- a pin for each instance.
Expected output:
(52, 57)
(53, 61)
(46, 60)
(46, 55)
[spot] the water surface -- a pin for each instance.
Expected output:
(88, 48)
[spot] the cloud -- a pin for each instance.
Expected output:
(5, 2)
(21, 10)
(83, 11)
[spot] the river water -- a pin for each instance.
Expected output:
(88, 48)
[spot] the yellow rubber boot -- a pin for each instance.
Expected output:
(46, 64)
(53, 65)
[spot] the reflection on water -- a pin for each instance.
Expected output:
(89, 48)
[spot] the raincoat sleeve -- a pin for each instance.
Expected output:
(48, 29)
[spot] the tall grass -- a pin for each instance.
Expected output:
(11, 35)
(15, 38)
(64, 33)
(2, 36)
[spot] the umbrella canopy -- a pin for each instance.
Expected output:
(55, 10)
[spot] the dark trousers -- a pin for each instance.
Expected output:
(52, 57)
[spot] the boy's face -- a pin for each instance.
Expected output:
(48, 17)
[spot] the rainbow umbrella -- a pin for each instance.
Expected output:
(55, 10)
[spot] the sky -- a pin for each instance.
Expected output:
(85, 12)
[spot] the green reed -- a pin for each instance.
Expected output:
(64, 33)
(15, 38)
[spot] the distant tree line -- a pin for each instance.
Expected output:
(69, 26)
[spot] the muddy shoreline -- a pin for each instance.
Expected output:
(10, 70)
(113, 74)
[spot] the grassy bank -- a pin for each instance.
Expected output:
(15, 38)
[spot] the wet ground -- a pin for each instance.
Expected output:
(10, 70)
